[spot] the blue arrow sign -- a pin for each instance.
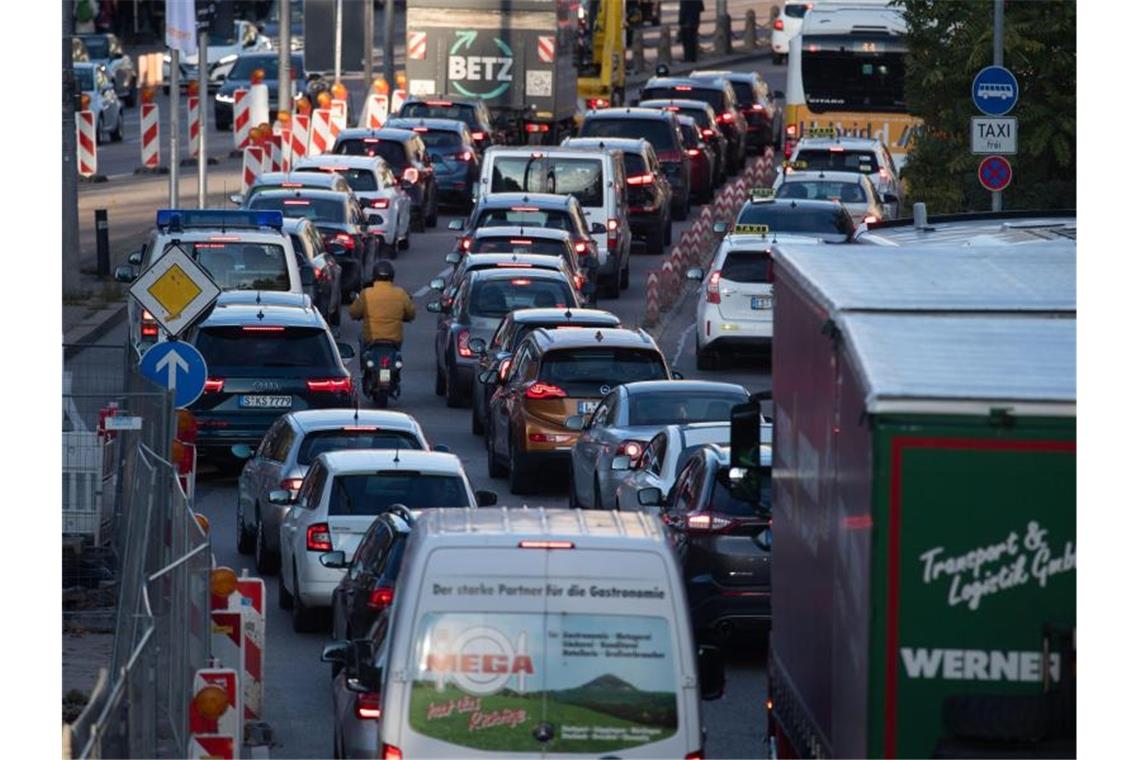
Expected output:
(995, 91)
(178, 367)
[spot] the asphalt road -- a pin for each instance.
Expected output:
(298, 701)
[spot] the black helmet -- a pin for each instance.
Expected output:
(384, 270)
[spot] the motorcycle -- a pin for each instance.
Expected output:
(381, 376)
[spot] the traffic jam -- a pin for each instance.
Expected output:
(562, 410)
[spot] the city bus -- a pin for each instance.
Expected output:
(845, 71)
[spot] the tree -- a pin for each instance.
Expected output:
(949, 42)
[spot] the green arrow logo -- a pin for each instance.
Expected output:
(464, 40)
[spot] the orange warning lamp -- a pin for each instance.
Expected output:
(380, 86)
(284, 117)
(323, 100)
(84, 102)
(146, 94)
(257, 77)
(203, 522)
(211, 701)
(339, 91)
(401, 80)
(192, 87)
(303, 105)
(223, 581)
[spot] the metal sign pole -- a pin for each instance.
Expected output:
(389, 47)
(999, 58)
(284, 59)
(174, 103)
(203, 83)
(339, 30)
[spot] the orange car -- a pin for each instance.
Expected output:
(559, 373)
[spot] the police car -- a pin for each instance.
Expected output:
(735, 307)
(241, 249)
(823, 149)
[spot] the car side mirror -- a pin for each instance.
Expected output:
(124, 274)
(308, 277)
(443, 448)
(345, 350)
(764, 540)
(710, 671)
(778, 94)
(677, 375)
(696, 273)
(437, 283)
(336, 651)
(241, 451)
(282, 498)
(435, 307)
(486, 498)
(453, 258)
(478, 345)
(890, 198)
(135, 259)
(334, 560)
(455, 224)
(597, 228)
(575, 422)
(620, 463)
(650, 497)
(487, 376)
(720, 227)
(236, 199)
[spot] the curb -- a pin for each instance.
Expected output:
(96, 331)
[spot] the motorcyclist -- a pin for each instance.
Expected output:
(383, 307)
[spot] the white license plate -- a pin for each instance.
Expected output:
(587, 407)
(761, 302)
(265, 402)
(385, 375)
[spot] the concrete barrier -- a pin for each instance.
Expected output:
(750, 31)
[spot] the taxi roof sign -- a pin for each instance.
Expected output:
(821, 132)
(800, 164)
(762, 193)
(750, 229)
(218, 218)
(176, 290)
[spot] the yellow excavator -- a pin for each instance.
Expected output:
(601, 64)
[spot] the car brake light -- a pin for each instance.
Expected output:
(683, 87)
(514, 265)
(579, 280)
(263, 328)
(524, 209)
(757, 106)
(883, 173)
(465, 243)
(291, 184)
(521, 241)
(631, 449)
(390, 752)
(835, 149)
(870, 219)
(214, 385)
(381, 597)
(550, 438)
(359, 428)
(148, 326)
(597, 103)
(478, 136)
(348, 241)
(546, 544)
(778, 24)
(465, 155)
(706, 132)
(331, 385)
(291, 484)
(673, 109)
(725, 118)
(419, 129)
(640, 179)
(296, 203)
(520, 281)
(411, 175)
(693, 152)
(380, 203)
(444, 103)
(533, 128)
(544, 390)
(705, 521)
(611, 224)
(368, 705)
(504, 368)
(463, 344)
(580, 247)
(318, 538)
(712, 292)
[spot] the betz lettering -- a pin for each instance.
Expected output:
(487, 68)
(977, 665)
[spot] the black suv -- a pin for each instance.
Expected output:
(408, 157)
(239, 79)
(717, 93)
(471, 111)
(764, 116)
(267, 354)
(660, 128)
(702, 113)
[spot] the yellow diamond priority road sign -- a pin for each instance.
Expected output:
(176, 290)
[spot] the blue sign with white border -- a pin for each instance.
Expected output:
(176, 366)
(995, 91)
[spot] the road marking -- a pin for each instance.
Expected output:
(681, 344)
(423, 291)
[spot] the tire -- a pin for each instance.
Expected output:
(453, 394)
(440, 382)
(707, 359)
(380, 398)
(132, 98)
(518, 478)
(284, 598)
(655, 243)
(598, 495)
(404, 244)
(476, 420)
(623, 282)
(245, 541)
(266, 561)
(117, 135)
(305, 619)
(494, 468)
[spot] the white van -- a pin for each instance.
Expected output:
(534, 632)
(595, 176)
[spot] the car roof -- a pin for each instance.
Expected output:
(449, 125)
(587, 337)
(309, 420)
(689, 103)
(543, 200)
(242, 314)
(505, 527)
(598, 316)
(681, 386)
(511, 231)
(244, 235)
(831, 175)
(263, 297)
(522, 260)
(736, 240)
(593, 150)
(304, 193)
(732, 76)
(624, 144)
(390, 460)
(384, 133)
(699, 84)
(508, 273)
(457, 99)
(309, 179)
(839, 141)
(294, 223)
(630, 112)
(337, 160)
(791, 203)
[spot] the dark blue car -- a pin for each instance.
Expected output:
(455, 158)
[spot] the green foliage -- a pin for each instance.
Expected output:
(949, 41)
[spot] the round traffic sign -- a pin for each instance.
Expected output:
(995, 173)
(995, 91)
(177, 367)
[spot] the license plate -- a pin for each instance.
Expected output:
(265, 402)
(385, 375)
(761, 302)
(587, 407)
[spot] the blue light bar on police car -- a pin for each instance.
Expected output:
(214, 218)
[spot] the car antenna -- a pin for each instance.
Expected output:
(598, 336)
(258, 298)
(356, 409)
(568, 313)
(396, 459)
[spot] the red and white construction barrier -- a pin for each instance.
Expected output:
(340, 115)
(192, 125)
(86, 143)
(375, 111)
(215, 736)
(266, 155)
(241, 122)
(298, 139)
(148, 134)
(239, 639)
(250, 167)
(321, 138)
(398, 98)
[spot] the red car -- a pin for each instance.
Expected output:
(701, 178)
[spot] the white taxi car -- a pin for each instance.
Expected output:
(823, 149)
(855, 191)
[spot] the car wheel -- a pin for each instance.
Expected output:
(494, 468)
(476, 420)
(132, 97)
(598, 495)
(265, 560)
(707, 359)
(517, 477)
(440, 382)
(433, 220)
(624, 277)
(452, 392)
(305, 619)
(680, 211)
(245, 539)
(404, 244)
(117, 134)
(284, 598)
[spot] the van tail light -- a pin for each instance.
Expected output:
(330, 385)
(712, 291)
(391, 752)
(532, 128)
(778, 24)
(318, 538)
(640, 179)
(611, 230)
(368, 705)
(381, 597)
(708, 522)
(380, 203)
(544, 390)
(463, 344)
(631, 449)
(693, 152)
(291, 484)
(411, 175)
(465, 155)
(546, 544)
(214, 385)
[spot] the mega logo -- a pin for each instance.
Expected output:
(468, 73)
(480, 661)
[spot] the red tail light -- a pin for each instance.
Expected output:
(631, 449)
(706, 132)
(331, 385)
(550, 437)
(385, 361)
(579, 280)
(149, 327)
(465, 243)
(380, 203)
(214, 385)
(478, 135)
(706, 522)
(543, 390)
(546, 544)
(368, 705)
(883, 173)
(580, 247)
(611, 229)
(870, 219)
(411, 175)
(725, 118)
(381, 597)
(597, 103)
(291, 484)
(778, 24)
(640, 179)
(464, 156)
(757, 106)
(318, 538)
(712, 291)
(389, 752)
(693, 152)
(463, 344)
(533, 128)
(348, 241)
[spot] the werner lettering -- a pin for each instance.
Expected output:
(977, 665)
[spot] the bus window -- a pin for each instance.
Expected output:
(845, 80)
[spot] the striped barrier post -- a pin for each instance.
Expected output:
(321, 137)
(215, 714)
(250, 167)
(250, 599)
(86, 144)
(668, 284)
(652, 305)
(298, 139)
(148, 136)
(399, 95)
(241, 122)
(375, 111)
(273, 144)
(192, 125)
(339, 110)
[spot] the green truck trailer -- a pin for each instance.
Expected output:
(924, 501)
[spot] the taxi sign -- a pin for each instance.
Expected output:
(176, 290)
(761, 193)
(750, 229)
(800, 164)
(821, 132)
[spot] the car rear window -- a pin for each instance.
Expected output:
(658, 132)
(244, 266)
(796, 10)
(263, 346)
(691, 135)
(392, 151)
(601, 365)
(423, 110)
(745, 96)
(839, 160)
(373, 493)
(681, 408)
(831, 221)
(315, 209)
(497, 298)
(747, 266)
(555, 219)
(580, 177)
(542, 246)
(746, 498)
(711, 95)
(358, 179)
(822, 190)
(440, 138)
(320, 441)
(634, 164)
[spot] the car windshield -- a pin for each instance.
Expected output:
(499, 297)
(392, 151)
(555, 219)
(519, 245)
(245, 65)
(373, 493)
(657, 131)
(822, 190)
(601, 365)
(580, 177)
(832, 223)
(85, 79)
(657, 408)
(747, 266)
(353, 437)
(317, 209)
(240, 265)
(713, 96)
(259, 348)
(750, 497)
(425, 110)
(358, 179)
(97, 47)
(838, 159)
